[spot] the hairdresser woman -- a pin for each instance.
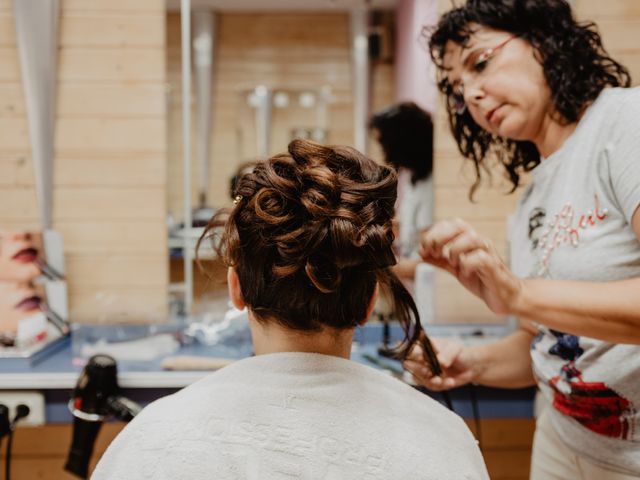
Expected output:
(527, 84)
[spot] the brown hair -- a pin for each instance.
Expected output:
(309, 237)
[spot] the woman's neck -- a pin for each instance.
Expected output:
(271, 337)
(552, 136)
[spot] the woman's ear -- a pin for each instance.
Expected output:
(235, 293)
(372, 304)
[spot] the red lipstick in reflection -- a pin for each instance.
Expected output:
(26, 255)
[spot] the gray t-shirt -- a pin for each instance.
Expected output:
(574, 223)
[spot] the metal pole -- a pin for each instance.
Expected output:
(203, 47)
(263, 97)
(187, 247)
(360, 72)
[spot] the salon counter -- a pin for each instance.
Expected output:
(56, 375)
(505, 416)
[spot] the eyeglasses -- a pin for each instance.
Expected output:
(455, 95)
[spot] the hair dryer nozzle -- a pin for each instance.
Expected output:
(96, 396)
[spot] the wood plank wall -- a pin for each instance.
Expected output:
(279, 50)
(619, 24)
(111, 175)
(110, 154)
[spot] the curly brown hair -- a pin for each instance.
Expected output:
(575, 64)
(310, 236)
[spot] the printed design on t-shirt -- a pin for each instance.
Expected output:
(536, 222)
(564, 228)
(593, 404)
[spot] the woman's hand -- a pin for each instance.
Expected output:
(455, 246)
(457, 363)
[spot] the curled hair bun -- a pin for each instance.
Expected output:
(310, 238)
(322, 210)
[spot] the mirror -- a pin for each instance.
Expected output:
(274, 76)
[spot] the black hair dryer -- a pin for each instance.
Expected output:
(95, 397)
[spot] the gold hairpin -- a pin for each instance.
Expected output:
(237, 199)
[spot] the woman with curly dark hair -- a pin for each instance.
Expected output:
(405, 133)
(308, 244)
(528, 85)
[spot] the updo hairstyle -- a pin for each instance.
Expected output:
(310, 235)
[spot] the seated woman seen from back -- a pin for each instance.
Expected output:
(308, 244)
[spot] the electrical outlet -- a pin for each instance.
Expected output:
(32, 399)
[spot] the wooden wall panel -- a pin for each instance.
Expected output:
(115, 135)
(127, 203)
(122, 304)
(128, 100)
(291, 51)
(453, 176)
(108, 29)
(10, 71)
(99, 65)
(40, 452)
(102, 236)
(115, 171)
(117, 6)
(142, 271)
(97, 6)
(616, 9)
(110, 148)
(619, 24)
(96, 65)
(16, 170)
(488, 204)
(14, 134)
(616, 33)
(631, 60)
(454, 304)
(11, 99)
(18, 204)
(98, 29)
(7, 29)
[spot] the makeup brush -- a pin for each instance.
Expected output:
(55, 319)
(48, 271)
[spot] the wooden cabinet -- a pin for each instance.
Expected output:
(40, 452)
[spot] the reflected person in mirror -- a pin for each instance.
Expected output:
(405, 133)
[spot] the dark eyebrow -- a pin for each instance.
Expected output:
(467, 61)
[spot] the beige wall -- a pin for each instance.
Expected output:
(110, 154)
(619, 23)
(282, 51)
(112, 140)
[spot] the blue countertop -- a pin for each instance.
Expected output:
(144, 382)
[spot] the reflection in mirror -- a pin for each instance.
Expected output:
(33, 293)
(274, 76)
